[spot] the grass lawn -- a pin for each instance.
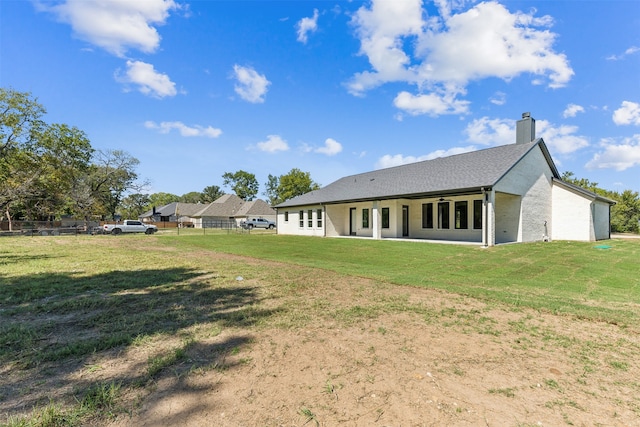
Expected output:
(69, 303)
(582, 279)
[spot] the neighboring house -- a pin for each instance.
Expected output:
(256, 209)
(226, 211)
(231, 210)
(173, 212)
(510, 193)
(219, 213)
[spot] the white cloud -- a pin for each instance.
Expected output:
(389, 160)
(442, 54)
(116, 25)
(498, 98)
(186, 131)
(560, 139)
(149, 81)
(381, 31)
(432, 104)
(617, 156)
(572, 110)
(331, 147)
(251, 86)
(627, 114)
(272, 144)
(629, 51)
(306, 26)
(488, 131)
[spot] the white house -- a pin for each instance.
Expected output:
(510, 193)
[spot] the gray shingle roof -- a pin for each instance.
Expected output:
(170, 209)
(467, 171)
(256, 207)
(224, 206)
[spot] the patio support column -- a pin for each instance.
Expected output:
(488, 218)
(377, 221)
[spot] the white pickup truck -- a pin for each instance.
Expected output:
(258, 223)
(129, 226)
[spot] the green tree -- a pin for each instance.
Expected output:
(161, 199)
(113, 174)
(288, 186)
(191, 197)
(581, 182)
(40, 164)
(20, 120)
(211, 193)
(625, 215)
(65, 154)
(243, 183)
(271, 190)
(134, 205)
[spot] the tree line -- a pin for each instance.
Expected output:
(50, 170)
(243, 184)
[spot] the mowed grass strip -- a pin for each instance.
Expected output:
(576, 278)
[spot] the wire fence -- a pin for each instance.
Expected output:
(71, 227)
(47, 228)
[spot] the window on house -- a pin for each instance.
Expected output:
(443, 215)
(427, 215)
(301, 219)
(310, 218)
(477, 214)
(286, 216)
(319, 217)
(385, 217)
(365, 218)
(461, 215)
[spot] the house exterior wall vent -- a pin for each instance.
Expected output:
(525, 129)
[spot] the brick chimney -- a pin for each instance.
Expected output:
(525, 129)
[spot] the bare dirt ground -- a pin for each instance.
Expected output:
(345, 351)
(354, 352)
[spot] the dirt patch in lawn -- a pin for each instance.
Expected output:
(354, 352)
(338, 350)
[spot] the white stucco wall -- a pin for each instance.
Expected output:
(571, 216)
(292, 226)
(530, 179)
(578, 217)
(507, 218)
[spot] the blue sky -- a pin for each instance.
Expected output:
(194, 89)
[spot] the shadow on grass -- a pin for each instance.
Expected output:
(14, 259)
(53, 325)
